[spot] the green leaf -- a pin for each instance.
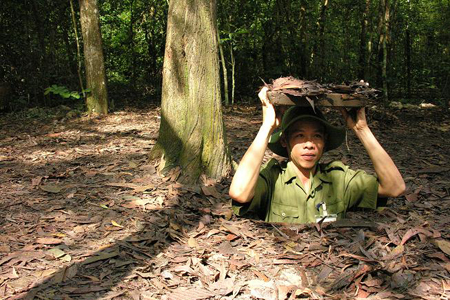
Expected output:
(75, 95)
(242, 31)
(56, 252)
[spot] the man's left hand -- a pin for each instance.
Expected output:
(358, 121)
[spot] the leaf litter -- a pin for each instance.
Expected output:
(85, 215)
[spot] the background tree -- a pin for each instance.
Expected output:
(191, 133)
(269, 39)
(97, 98)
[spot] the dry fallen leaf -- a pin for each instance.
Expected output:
(100, 256)
(190, 294)
(409, 234)
(50, 188)
(395, 253)
(48, 241)
(114, 223)
(192, 242)
(56, 252)
(211, 191)
(442, 244)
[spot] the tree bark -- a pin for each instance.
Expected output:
(233, 74)
(303, 57)
(383, 28)
(97, 99)
(363, 41)
(224, 73)
(385, 49)
(75, 30)
(319, 47)
(132, 46)
(408, 52)
(192, 134)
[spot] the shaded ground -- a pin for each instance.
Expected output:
(84, 215)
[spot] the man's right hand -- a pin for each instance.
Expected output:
(270, 118)
(244, 181)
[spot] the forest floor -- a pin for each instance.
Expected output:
(85, 215)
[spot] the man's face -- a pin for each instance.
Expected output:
(305, 141)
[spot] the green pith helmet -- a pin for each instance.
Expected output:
(335, 135)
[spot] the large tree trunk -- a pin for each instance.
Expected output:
(97, 99)
(192, 134)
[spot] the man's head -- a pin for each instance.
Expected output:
(306, 132)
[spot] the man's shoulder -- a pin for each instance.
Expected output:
(333, 166)
(272, 169)
(274, 164)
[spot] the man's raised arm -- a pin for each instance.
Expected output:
(243, 185)
(390, 180)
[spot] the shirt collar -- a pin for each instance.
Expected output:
(290, 174)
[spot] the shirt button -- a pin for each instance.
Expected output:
(283, 214)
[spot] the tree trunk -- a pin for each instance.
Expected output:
(192, 134)
(43, 59)
(385, 49)
(383, 46)
(233, 74)
(75, 30)
(97, 99)
(224, 72)
(132, 46)
(408, 52)
(319, 47)
(363, 41)
(303, 57)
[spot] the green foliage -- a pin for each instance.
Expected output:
(64, 92)
(268, 39)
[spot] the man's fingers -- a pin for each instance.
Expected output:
(263, 95)
(344, 112)
(361, 113)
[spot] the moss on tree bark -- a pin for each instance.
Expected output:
(97, 99)
(192, 133)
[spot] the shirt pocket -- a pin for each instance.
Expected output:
(335, 205)
(283, 213)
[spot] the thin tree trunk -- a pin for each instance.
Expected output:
(233, 74)
(152, 52)
(381, 37)
(192, 134)
(408, 52)
(224, 71)
(363, 41)
(75, 30)
(385, 48)
(97, 99)
(319, 47)
(39, 28)
(303, 56)
(133, 56)
(42, 56)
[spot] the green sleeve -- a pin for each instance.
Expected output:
(361, 189)
(263, 192)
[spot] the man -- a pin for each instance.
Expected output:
(301, 190)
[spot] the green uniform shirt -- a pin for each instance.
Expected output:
(280, 196)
